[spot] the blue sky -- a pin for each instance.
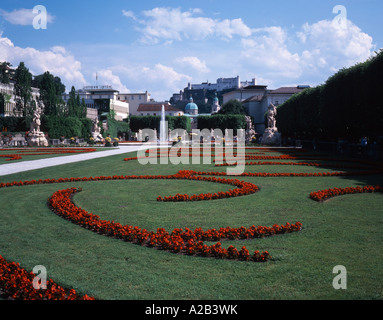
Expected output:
(160, 46)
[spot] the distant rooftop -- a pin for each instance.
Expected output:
(156, 107)
(288, 90)
(99, 88)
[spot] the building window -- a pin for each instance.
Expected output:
(139, 97)
(132, 97)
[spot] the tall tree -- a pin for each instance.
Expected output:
(72, 103)
(232, 107)
(75, 106)
(23, 91)
(51, 90)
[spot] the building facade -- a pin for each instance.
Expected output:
(134, 100)
(104, 99)
(155, 109)
(10, 104)
(257, 104)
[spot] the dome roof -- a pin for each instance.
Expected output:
(191, 105)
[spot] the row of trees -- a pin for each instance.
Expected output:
(347, 106)
(50, 88)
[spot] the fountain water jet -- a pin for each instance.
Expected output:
(163, 126)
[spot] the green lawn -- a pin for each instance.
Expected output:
(342, 231)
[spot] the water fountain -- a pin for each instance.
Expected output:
(163, 126)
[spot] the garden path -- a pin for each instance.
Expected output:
(17, 167)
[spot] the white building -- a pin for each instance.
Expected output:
(10, 106)
(134, 100)
(244, 93)
(256, 101)
(102, 98)
(155, 109)
(223, 84)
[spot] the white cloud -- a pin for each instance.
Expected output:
(22, 17)
(173, 24)
(194, 63)
(56, 60)
(159, 80)
(164, 74)
(334, 45)
(267, 50)
(321, 49)
(108, 78)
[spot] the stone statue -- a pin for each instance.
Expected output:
(250, 132)
(271, 136)
(36, 138)
(96, 131)
(36, 122)
(271, 121)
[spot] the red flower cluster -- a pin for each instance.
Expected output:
(17, 283)
(330, 193)
(179, 241)
(245, 188)
(10, 156)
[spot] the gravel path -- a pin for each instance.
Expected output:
(11, 168)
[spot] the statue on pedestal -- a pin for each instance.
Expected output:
(36, 138)
(271, 135)
(250, 132)
(96, 131)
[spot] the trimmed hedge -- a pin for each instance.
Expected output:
(117, 128)
(15, 124)
(153, 122)
(222, 122)
(347, 106)
(62, 126)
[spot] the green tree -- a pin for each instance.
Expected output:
(51, 90)
(23, 91)
(232, 107)
(75, 107)
(5, 72)
(83, 110)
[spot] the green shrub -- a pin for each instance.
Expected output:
(222, 122)
(62, 126)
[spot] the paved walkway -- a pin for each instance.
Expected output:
(11, 168)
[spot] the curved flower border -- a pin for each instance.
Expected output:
(178, 241)
(17, 283)
(323, 195)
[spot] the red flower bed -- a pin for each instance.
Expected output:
(330, 193)
(17, 283)
(178, 241)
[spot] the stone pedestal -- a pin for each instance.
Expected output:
(37, 139)
(271, 136)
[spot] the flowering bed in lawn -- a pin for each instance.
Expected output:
(330, 193)
(17, 283)
(19, 153)
(178, 241)
(189, 242)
